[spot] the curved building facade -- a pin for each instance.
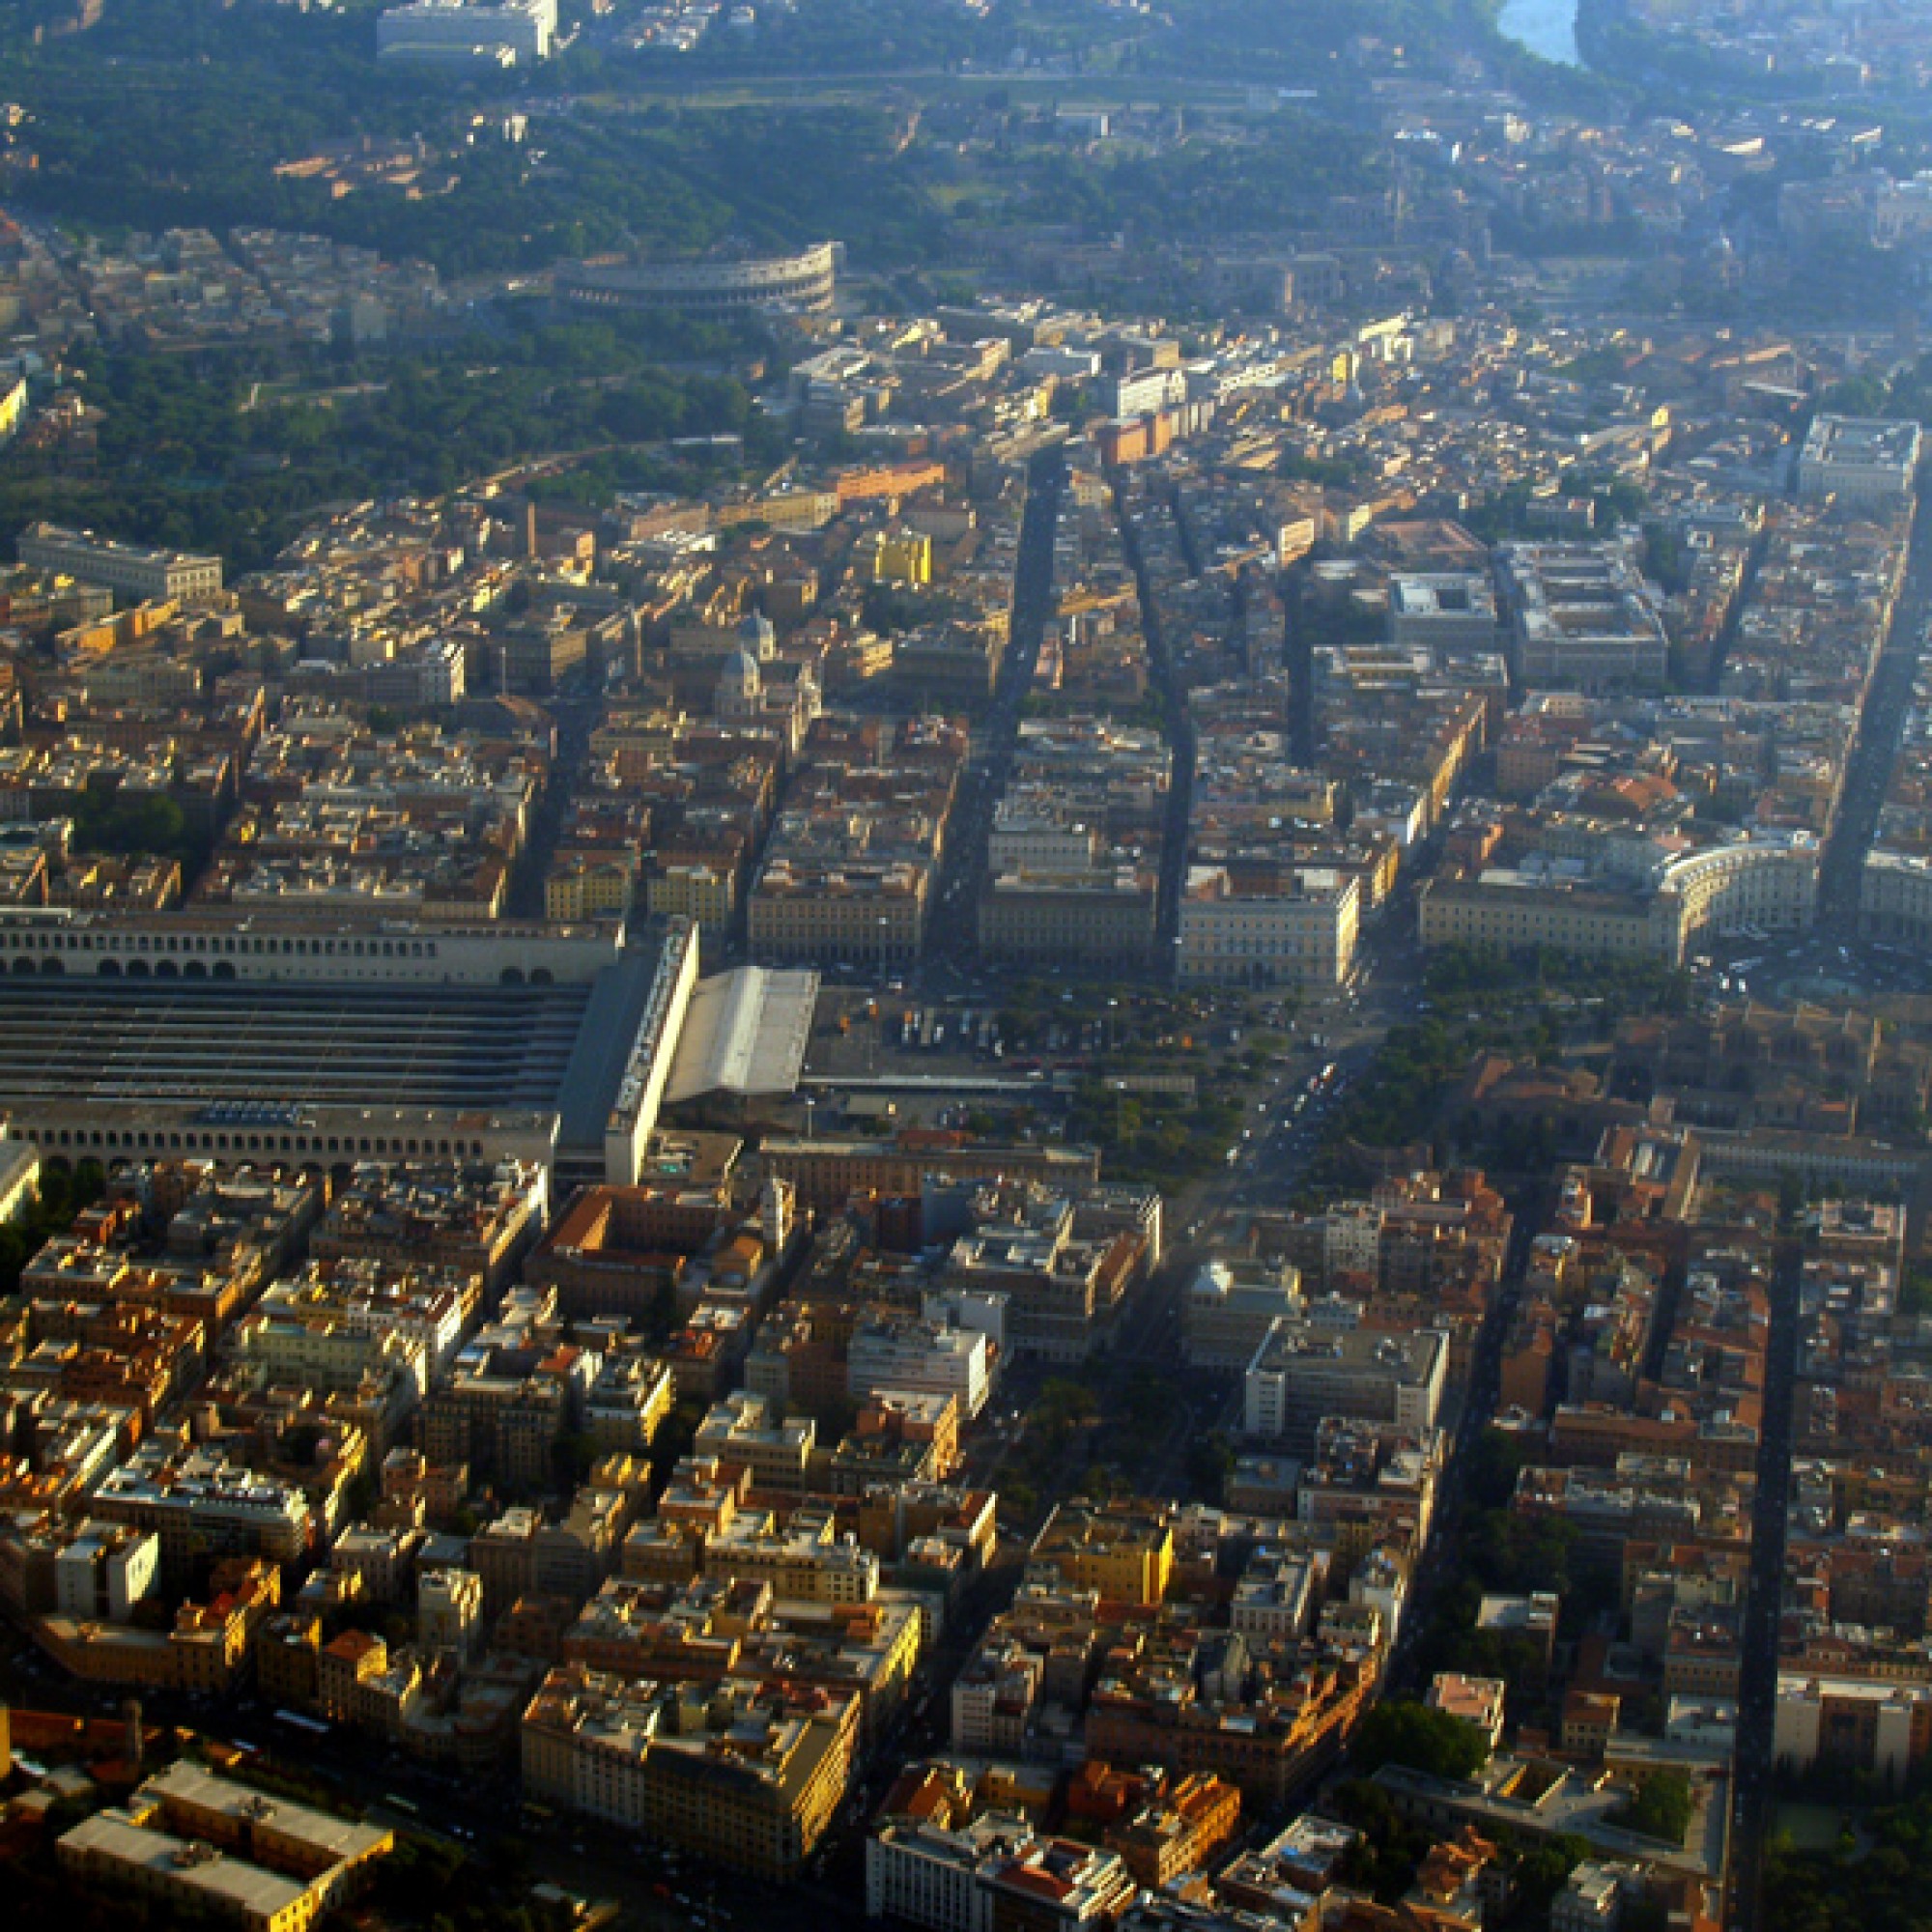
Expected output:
(1896, 897)
(1765, 881)
(803, 280)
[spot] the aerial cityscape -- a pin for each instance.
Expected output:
(966, 967)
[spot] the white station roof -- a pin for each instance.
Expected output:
(745, 1033)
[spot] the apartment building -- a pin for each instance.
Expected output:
(198, 1843)
(1881, 1728)
(200, 1504)
(923, 1873)
(862, 910)
(724, 1772)
(1122, 1551)
(1097, 917)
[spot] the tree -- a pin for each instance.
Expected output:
(1063, 1399)
(129, 824)
(1496, 1460)
(1659, 1807)
(1401, 1731)
(1209, 1462)
(1544, 1868)
(1383, 1859)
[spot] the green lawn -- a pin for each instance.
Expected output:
(1811, 1827)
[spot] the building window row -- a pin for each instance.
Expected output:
(87, 942)
(142, 1140)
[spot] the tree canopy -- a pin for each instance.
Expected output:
(1402, 1731)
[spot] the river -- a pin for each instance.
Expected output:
(1545, 27)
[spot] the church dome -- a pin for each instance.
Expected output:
(756, 636)
(741, 676)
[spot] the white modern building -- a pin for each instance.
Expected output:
(1231, 1305)
(1443, 610)
(1305, 1371)
(105, 1570)
(1857, 1723)
(926, 1875)
(921, 1358)
(1143, 393)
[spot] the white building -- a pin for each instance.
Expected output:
(993, 1698)
(1582, 618)
(1231, 1305)
(105, 1570)
(923, 1357)
(1443, 610)
(431, 674)
(1875, 1719)
(1476, 1700)
(923, 1874)
(449, 1611)
(1275, 1598)
(653, 1052)
(1901, 210)
(1858, 462)
(983, 1309)
(1063, 362)
(1351, 1239)
(506, 33)
(1306, 938)
(1380, 1582)
(1144, 391)
(1305, 1371)
(1593, 1899)
(129, 568)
